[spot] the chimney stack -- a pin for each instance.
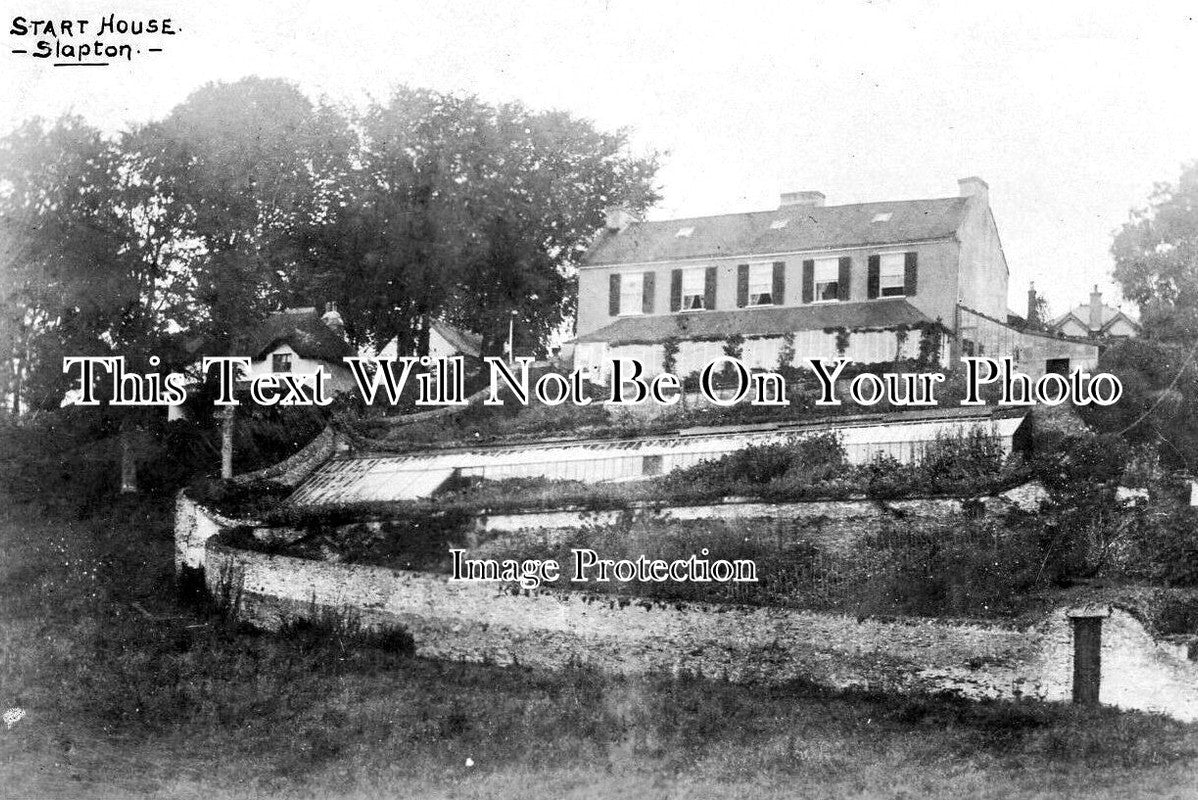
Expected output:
(1033, 310)
(807, 198)
(617, 218)
(974, 186)
(1095, 310)
(333, 319)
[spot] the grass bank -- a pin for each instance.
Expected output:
(128, 694)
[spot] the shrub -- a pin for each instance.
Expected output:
(965, 568)
(1079, 469)
(952, 462)
(248, 500)
(761, 470)
(1165, 546)
(342, 632)
(884, 477)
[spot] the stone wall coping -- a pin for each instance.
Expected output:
(623, 601)
(1089, 611)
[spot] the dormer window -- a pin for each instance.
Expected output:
(684, 232)
(883, 216)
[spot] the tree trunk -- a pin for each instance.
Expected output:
(16, 387)
(226, 442)
(128, 459)
(422, 338)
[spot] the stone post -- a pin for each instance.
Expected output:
(225, 414)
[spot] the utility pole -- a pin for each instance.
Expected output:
(511, 338)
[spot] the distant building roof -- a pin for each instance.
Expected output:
(761, 321)
(467, 343)
(764, 232)
(303, 331)
(1081, 314)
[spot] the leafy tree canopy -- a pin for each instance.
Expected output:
(1156, 260)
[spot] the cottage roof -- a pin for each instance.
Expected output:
(303, 331)
(759, 321)
(806, 228)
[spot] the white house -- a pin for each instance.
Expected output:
(301, 341)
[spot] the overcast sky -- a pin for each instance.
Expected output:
(1070, 111)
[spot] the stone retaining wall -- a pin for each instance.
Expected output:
(833, 525)
(551, 628)
(290, 471)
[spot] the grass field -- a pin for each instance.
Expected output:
(129, 694)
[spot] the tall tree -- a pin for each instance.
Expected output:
(54, 181)
(1156, 260)
(474, 213)
(538, 188)
(256, 164)
(1156, 266)
(97, 261)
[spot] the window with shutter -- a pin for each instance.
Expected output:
(694, 288)
(631, 293)
(911, 271)
(873, 277)
(650, 283)
(761, 285)
(892, 275)
(827, 280)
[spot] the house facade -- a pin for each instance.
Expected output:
(874, 282)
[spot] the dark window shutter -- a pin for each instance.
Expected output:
(842, 280)
(647, 289)
(709, 290)
(875, 277)
(910, 273)
(778, 290)
(613, 297)
(676, 290)
(808, 281)
(742, 285)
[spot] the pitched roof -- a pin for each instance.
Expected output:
(762, 321)
(303, 331)
(465, 342)
(1081, 313)
(758, 232)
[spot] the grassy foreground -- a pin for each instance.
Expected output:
(128, 694)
